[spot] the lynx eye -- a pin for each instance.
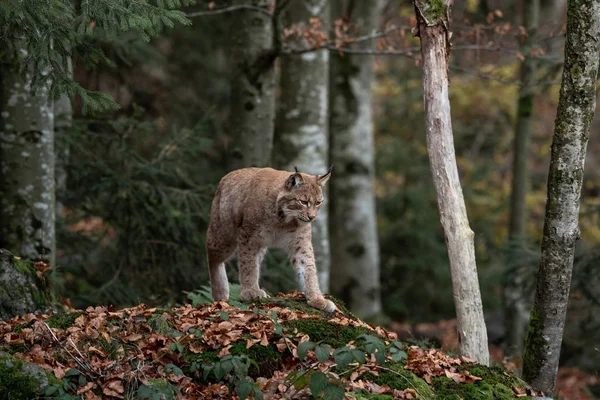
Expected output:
(319, 203)
(304, 203)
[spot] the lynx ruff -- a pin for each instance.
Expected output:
(257, 208)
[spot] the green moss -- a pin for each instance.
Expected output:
(160, 324)
(396, 377)
(494, 375)
(496, 385)
(268, 358)
(20, 327)
(15, 383)
(433, 10)
(63, 320)
(24, 266)
(301, 305)
(534, 344)
(333, 334)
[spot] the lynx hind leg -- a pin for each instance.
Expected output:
(218, 253)
(250, 258)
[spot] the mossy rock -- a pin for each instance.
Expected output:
(22, 291)
(21, 380)
(395, 376)
(299, 303)
(496, 384)
(322, 330)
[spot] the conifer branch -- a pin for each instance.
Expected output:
(228, 10)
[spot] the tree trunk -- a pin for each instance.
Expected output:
(27, 204)
(252, 89)
(515, 301)
(353, 221)
(63, 122)
(302, 121)
(433, 31)
(576, 107)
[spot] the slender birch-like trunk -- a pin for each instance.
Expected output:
(516, 304)
(63, 122)
(353, 221)
(27, 203)
(576, 107)
(302, 120)
(433, 19)
(253, 87)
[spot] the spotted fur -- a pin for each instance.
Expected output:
(258, 208)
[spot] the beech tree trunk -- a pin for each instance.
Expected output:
(252, 89)
(302, 121)
(27, 204)
(353, 221)
(63, 122)
(516, 304)
(433, 23)
(576, 107)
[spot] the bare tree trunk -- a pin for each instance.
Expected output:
(515, 302)
(63, 122)
(433, 20)
(27, 207)
(302, 121)
(252, 93)
(576, 107)
(353, 221)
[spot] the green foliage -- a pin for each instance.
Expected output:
(40, 38)
(203, 295)
(152, 206)
(156, 389)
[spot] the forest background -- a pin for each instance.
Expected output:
(132, 216)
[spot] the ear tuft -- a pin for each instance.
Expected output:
(322, 180)
(294, 181)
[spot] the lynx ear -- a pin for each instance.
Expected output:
(322, 180)
(294, 181)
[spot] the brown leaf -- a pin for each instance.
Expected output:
(113, 388)
(455, 376)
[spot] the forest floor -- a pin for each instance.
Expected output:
(274, 349)
(571, 384)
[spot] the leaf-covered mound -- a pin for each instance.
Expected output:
(272, 349)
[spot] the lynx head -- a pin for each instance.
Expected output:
(302, 196)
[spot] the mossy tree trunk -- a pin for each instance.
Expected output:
(576, 107)
(433, 20)
(302, 119)
(253, 87)
(515, 300)
(353, 223)
(27, 203)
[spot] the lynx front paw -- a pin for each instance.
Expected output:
(250, 294)
(323, 304)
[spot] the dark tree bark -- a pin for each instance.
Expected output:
(27, 203)
(302, 120)
(576, 107)
(433, 19)
(516, 304)
(353, 223)
(253, 85)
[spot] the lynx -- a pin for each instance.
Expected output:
(257, 208)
